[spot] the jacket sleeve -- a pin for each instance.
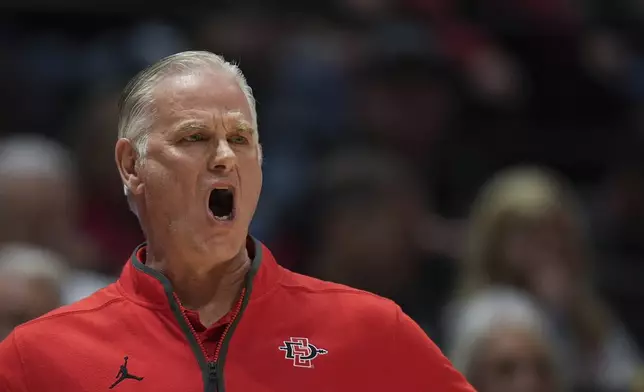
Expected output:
(418, 363)
(12, 377)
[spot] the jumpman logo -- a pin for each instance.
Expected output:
(124, 374)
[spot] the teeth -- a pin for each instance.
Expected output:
(220, 203)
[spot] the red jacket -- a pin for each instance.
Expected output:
(288, 333)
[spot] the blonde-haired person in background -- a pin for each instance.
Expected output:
(502, 342)
(527, 231)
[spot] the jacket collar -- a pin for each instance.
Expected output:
(151, 288)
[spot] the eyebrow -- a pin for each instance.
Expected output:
(191, 126)
(239, 125)
(244, 127)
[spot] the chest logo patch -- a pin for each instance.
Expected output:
(124, 374)
(301, 352)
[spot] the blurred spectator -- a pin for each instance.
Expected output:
(39, 201)
(527, 231)
(405, 103)
(39, 197)
(32, 282)
(75, 283)
(502, 342)
(370, 210)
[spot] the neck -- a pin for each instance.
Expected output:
(212, 291)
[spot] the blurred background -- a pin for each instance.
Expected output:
(479, 162)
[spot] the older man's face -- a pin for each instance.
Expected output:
(201, 176)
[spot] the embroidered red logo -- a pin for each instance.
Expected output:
(301, 352)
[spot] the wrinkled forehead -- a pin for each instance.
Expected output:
(209, 95)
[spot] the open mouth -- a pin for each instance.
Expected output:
(222, 204)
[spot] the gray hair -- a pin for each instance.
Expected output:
(475, 319)
(136, 106)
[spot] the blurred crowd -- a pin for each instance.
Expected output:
(479, 162)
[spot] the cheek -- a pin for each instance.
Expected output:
(157, 175)
(166, 191)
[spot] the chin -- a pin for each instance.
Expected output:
(225, 246)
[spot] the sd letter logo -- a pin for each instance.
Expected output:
(301, 352)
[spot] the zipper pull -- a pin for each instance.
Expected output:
(212, 377)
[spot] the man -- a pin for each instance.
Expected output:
(202, 306)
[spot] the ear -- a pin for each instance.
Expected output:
(126, 157)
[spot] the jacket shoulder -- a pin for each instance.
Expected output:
(350, 304)
(72, 314)
(314, 286)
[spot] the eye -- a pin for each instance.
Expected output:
(197, 137)
(238, 139)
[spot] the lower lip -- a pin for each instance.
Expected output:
(221, 221)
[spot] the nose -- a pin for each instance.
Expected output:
(224, 158)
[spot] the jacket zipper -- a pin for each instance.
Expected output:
(213, 380)
(214, 370)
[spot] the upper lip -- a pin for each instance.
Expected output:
(223, 185)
